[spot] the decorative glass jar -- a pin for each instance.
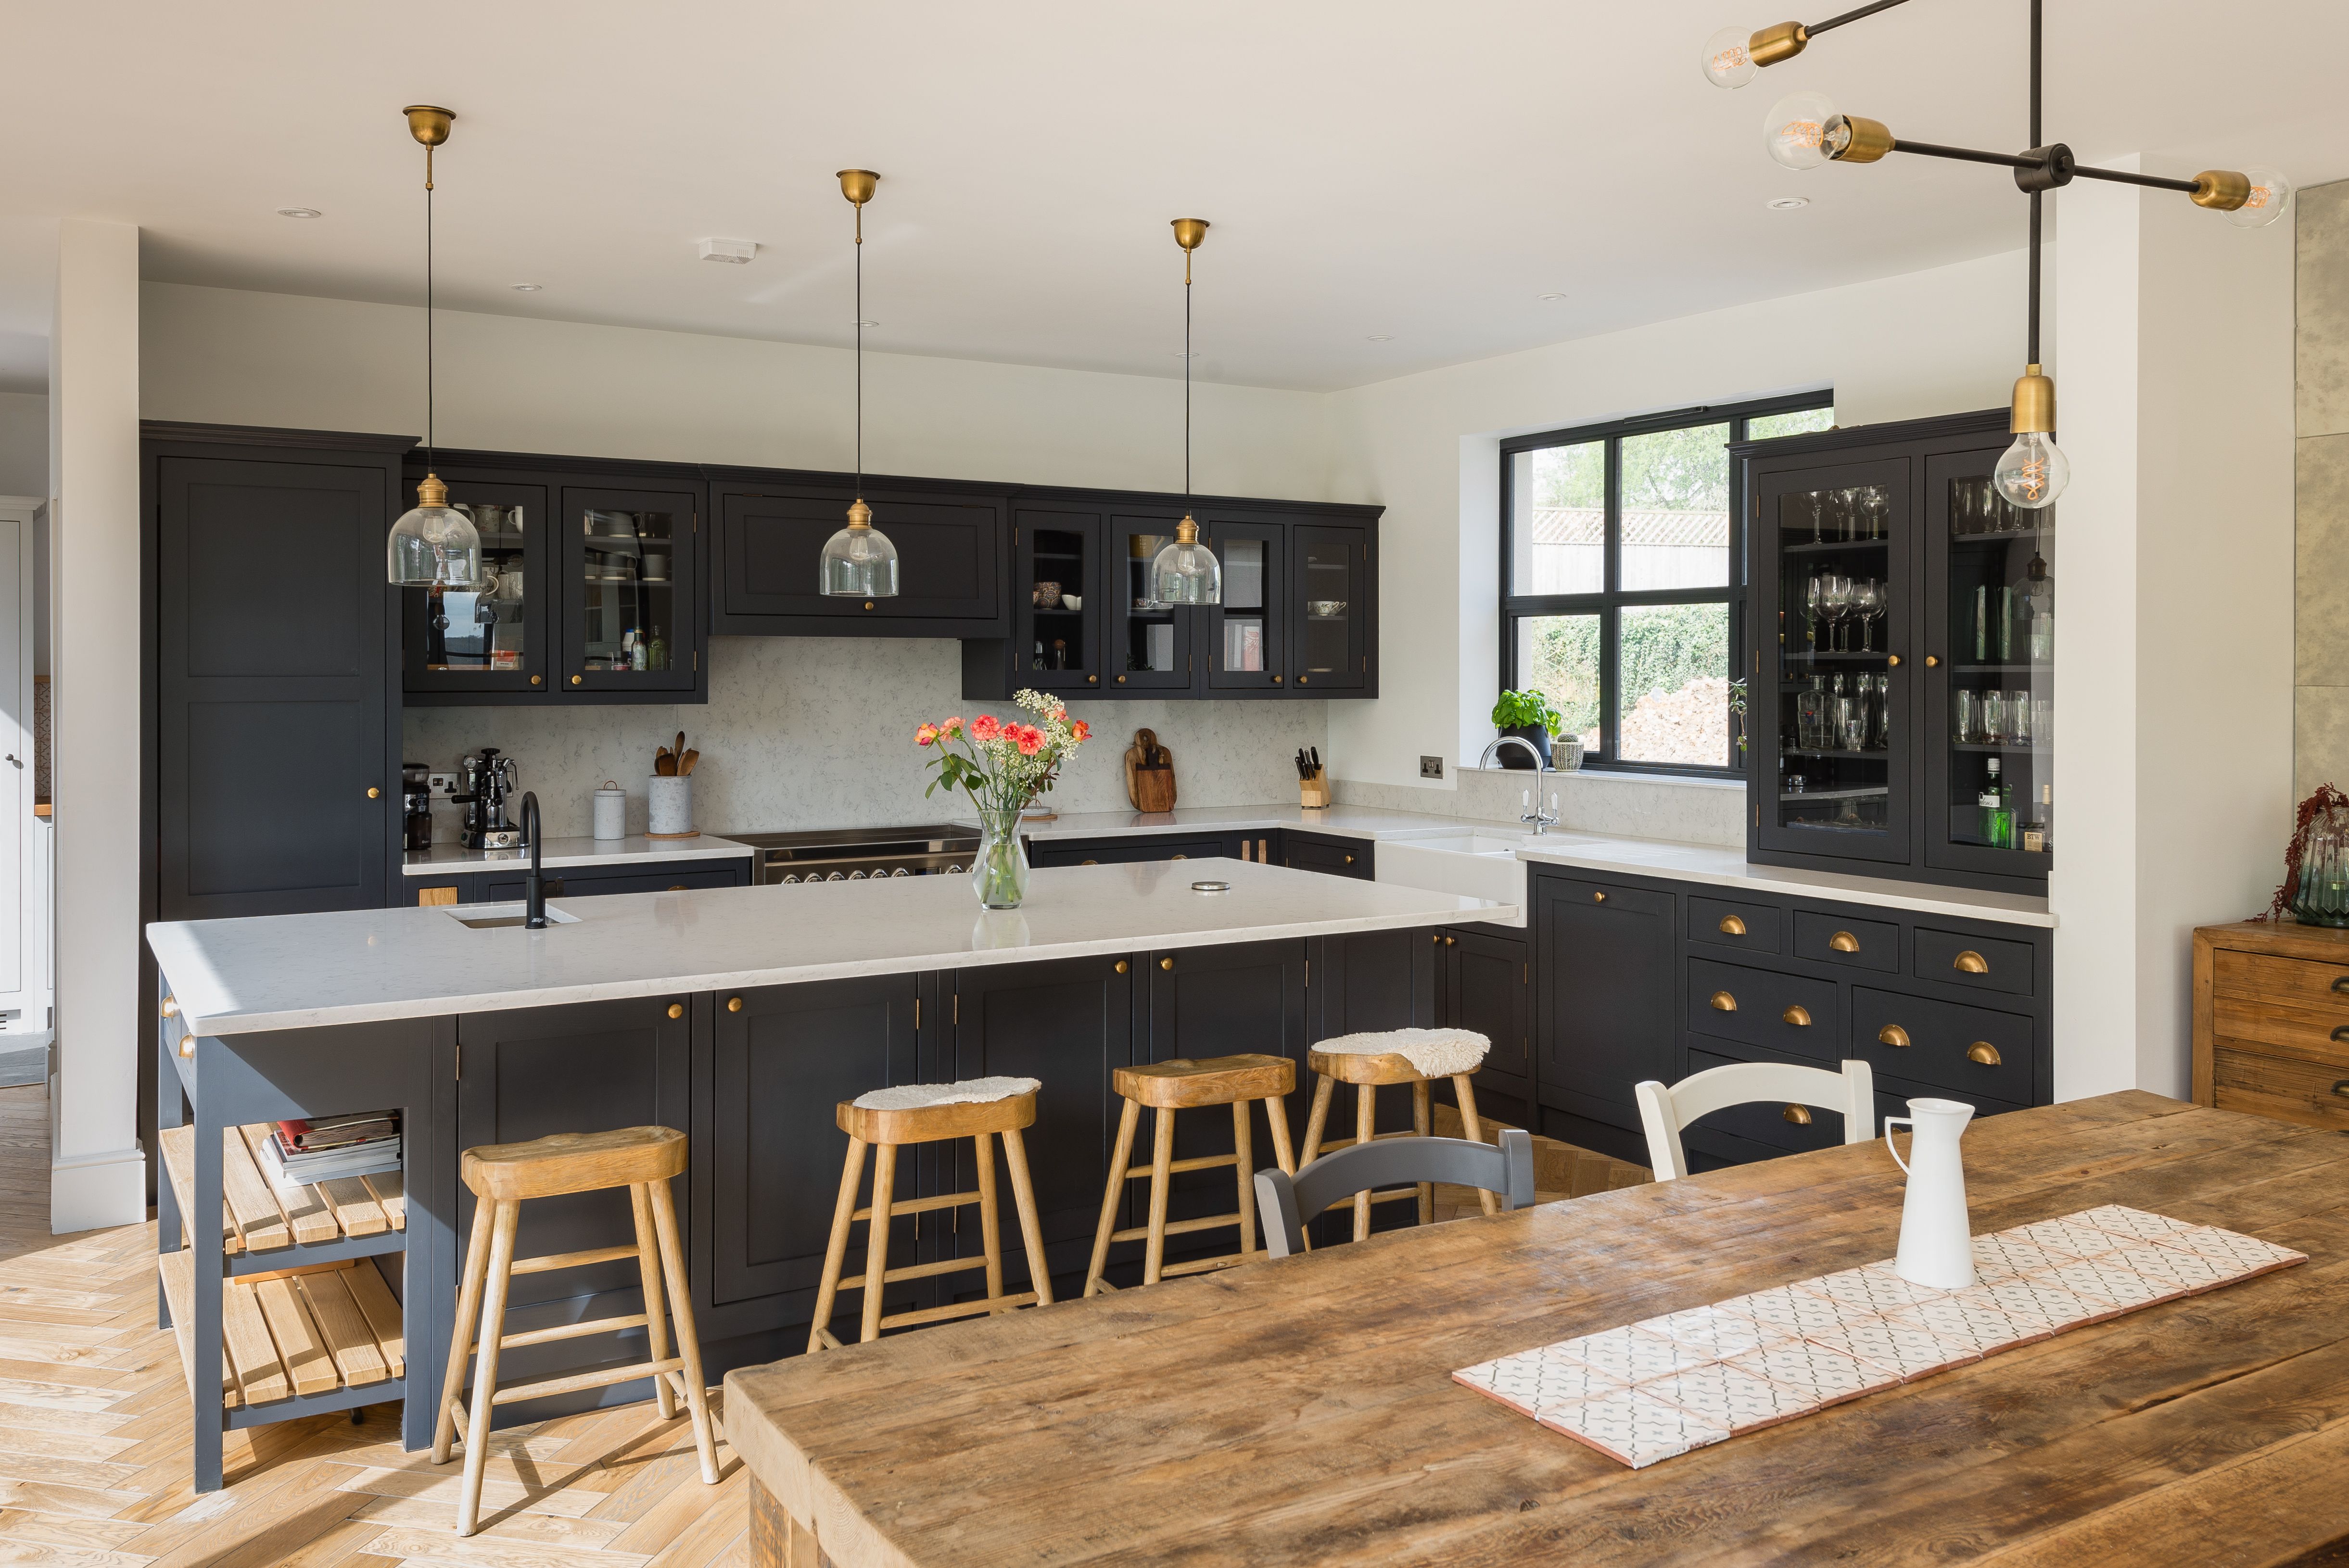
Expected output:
(2322, 897)
(998, 872)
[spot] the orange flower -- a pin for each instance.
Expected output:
(984, 728)
(1030, 740)
(1081, 731)
(926, 735)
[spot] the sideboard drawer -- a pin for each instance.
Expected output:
(1966, 1050)
(2314, 1034)
(2316, 1093)
(1732, 922)
(2281, 979)
(1839, 939)
(1984, 962)
(1767, 1122)
(1783, 1012)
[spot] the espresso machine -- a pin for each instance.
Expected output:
(487, 779)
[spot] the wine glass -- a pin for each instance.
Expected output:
(1811, 623)
(1851, 502)
(1866, 603)
(1878, 507)
(1835, 600)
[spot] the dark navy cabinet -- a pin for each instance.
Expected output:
(503, 883)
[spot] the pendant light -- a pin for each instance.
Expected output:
(1185, 572)
(432, 546)
(859, 562)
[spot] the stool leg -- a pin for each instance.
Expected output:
(485, 1370)
(835, 1250)
(1161, 1155)
(1366, 1121)
(1317, 1119)
(1031, 1229)
(989, 1233)
(689, 1342)
(1275, 1112)
(1464, 1091)
(469, 1311)
(1114, 1199)
(877, 1237)
(1246, 1166)
(1423, 1121)
(648, 1270)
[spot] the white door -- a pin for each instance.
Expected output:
(17, 993)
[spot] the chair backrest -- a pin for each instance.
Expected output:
(1286, 1202)
(1664, 1112)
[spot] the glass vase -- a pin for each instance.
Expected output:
(2322, 897)
(998, 872)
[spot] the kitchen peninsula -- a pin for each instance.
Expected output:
(741, 1015)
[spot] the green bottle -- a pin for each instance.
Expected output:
(1997, 808)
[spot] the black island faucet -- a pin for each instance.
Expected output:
(534, 887)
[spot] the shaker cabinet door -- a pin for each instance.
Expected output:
(1330, 607)
(1488, 987)
(497, 639)
(631, 605)
(1607, 1004)
(952, 556)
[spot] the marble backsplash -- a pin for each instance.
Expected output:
(1693, 810)
(817, 732)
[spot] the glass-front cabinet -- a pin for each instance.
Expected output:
(493, 638)
(1330, 567)
(1057, 612)
(1149, 641)
(1244, 639)
(629, 610)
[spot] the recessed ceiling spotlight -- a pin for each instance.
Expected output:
(299, 212)
(526, 288)
(1549, 298)
(1382, 337)
(866, 322)
(1786, 203)
(733, 252)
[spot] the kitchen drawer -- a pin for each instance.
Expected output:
(2316, 1093)
(1782, 1012)
(1982, 962)
(1728, 922)
(1839, 939)
(1337, 857)
(507, 888)
(1126, 852)
(2280, 979)
(2314, 1034)
(1945, 1040)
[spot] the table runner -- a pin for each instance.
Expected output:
(1651, 1389)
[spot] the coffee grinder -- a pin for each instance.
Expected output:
(488, 779)
(416, 805)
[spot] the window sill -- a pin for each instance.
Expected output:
(1620, 776)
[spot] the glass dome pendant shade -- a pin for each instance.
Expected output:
(859, 562)
(434, 545)
(1185, 572)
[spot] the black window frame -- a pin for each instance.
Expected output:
(1612, 599)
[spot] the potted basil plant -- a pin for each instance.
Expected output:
(1528, 715)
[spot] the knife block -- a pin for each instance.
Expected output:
(1314, 793)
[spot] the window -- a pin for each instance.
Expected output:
(1623, 578)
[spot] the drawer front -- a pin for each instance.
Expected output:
(1947, 1044)
(1337, 857)
(2315, 1093)
(1126, 852)
(507, 888)
(2280, 979)
(2314, 1034)
(1779, 1012)
(1839, 939)
(1726, 922)
(1763, 1122)
(1983, 962)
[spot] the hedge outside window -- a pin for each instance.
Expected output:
(1623, 578)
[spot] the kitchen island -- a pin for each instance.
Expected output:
(742, 1015)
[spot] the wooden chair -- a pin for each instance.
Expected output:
(1167, 1088)
(886, 1120)
(1507, 1170)
(501, 1175)
(1663, 1112)
(1394, 1056)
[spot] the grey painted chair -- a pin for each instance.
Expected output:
(1283, 1202)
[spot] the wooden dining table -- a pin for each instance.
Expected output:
(1303, 1411)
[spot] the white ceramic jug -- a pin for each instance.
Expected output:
(1937, 1242)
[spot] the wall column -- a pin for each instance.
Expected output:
(96, 1173)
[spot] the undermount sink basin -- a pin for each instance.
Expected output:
(1467, 843)
(1470, 864)
(498, 916)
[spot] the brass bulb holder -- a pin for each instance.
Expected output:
(1189, 232)
(859, 514)
(427, 124)
(430, 491)
(2034, 404)
(1187, 530)
(2221, 189)
(1851, 139)
(857, 184)
(1783, 42)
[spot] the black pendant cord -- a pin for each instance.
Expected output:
(2030, 350)
(1187, 384)
(429, 409)
(1816, 28)
(860, 351)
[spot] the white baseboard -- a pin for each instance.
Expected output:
(93, 1189)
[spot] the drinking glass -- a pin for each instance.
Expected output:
(1883, 603)
(1851, 503)
(1866, 603)
(1809, 508)
(1995, 717)
(2043, 721)
(1834, 599)
(1879, 509)
(1854, 722)
(1964, 500)
(1965, 720)
(1811, 622)
(1884, 713)
(2018, 716)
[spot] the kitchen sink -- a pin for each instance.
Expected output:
(1476, 863)
(498, 916)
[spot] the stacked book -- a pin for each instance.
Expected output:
(326, 1148)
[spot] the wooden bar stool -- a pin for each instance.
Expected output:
(642, 1160)
(1173, 1085)
(1414, 1057)
(888, 1119)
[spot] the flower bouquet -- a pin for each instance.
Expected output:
(1003, 765)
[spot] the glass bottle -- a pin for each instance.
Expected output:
(1811, 715)
(2037, 591)
(1839, 714)
(1997, 809)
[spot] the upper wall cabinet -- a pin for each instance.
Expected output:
(951, 561)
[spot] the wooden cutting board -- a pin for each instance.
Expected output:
(1149, 773)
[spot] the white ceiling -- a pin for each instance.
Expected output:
(1420, 170)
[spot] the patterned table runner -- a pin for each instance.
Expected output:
(1664, 1386)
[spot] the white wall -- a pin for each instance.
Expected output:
(24, 443)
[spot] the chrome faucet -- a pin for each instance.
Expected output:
(1538, 817)
(533, 886)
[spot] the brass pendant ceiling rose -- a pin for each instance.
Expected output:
(858, 184)
(1189, 232)
(429, 125)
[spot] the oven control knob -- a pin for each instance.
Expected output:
(900, 871)
(953, 869)
(856, 876)
(791, 876)
(835, 877)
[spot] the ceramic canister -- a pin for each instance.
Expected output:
(671, 803)
(611, 807)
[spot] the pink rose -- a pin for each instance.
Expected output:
(1029, 742)
(926, 735)
(984, 728)
(951, 728)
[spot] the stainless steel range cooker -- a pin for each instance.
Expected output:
(861, 854)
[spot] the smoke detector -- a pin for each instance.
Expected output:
(735, 252)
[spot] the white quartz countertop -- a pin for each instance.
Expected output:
(1340, 821)
(348, 966)
(1729, 870)
(450, 860)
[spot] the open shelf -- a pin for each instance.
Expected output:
(299, 1334)
(351, 1217)
(1828, 546)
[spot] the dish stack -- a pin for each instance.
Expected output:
(325, 1148)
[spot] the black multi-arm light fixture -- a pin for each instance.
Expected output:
(1804, 129)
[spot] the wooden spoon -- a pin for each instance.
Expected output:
(684, 764)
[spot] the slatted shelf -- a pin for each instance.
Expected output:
(296, 1335)
(259, 1216)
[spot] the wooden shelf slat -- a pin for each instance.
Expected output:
(349, 1338)
(374, 1299)
(305, 1212)
(259, 1376)
(355, 1207)
(251, 1203)
(391, 1189)
(178, 1145)
(300, 1348)
(179, 1274)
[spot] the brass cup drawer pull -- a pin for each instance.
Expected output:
(1844, 942)
(1893, 1034)
(2341, 1035)
(2341, 984)
(2340, 1089)
(1797, 1014)
(1800, 1115)
(1971, 963)
(1730, 925)
(1722, 1002)
(1985, 1053)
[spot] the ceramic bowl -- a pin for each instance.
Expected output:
(1325, 607)
(1046, 596)
(1070, 602)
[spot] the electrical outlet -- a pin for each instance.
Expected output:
(1431, 767)
(443, 784)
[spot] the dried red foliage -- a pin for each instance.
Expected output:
(2325, 799)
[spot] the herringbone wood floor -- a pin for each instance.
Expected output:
(94, 1446)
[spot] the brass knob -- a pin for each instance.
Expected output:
(1121, 680)
(1451, 941)
(1722, 1002)
(1120, 965)
(1087, 863)
(1166, 964)
(1181, 857)
(1892, 661)
(1092, 680)
(1931, 660)
(734, 1004)
(676, 1009)
(374, 793)
(1435, 937)
(187, 1044)
(1797, 1014)
(2341, 1035)
(1893, 1034)
(1983, 1051)
(1276, 680)
(868, 603)
(1844, 942)
(1302, 679)
(576, 679)
(1970, 962)
(1600, 896)
(1800, 1115)
(1350, 860)
(535, 680)
(1730, 925)
(676, 887)
(170, 1006)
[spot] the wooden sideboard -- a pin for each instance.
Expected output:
(2271, 1021)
